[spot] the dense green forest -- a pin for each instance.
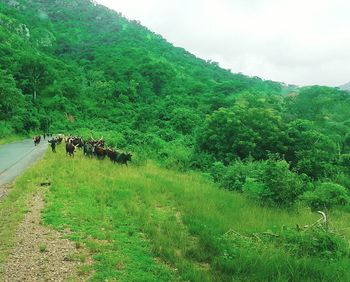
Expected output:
(76, 67)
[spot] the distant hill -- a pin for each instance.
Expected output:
(345, 86)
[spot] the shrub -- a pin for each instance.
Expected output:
(236, 175)
(176, 156)
(283, 187)
(342, 179)
(326, 195)
(4, 129)
(345, 160)
(202, 161)
(314, 242)
(270, 182)
(277, 185)
(218, 171)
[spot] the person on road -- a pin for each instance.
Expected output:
(53, 145)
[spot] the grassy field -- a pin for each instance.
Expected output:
(145, 223)
(11, 138)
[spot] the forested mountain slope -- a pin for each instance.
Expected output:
(78, 67)
(88, 66)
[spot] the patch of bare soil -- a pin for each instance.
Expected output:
(40, 253)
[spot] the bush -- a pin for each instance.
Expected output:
(270, 182)
(217, 171)
(345, 160)
(202, 161)
(175, 155)
(283, 187)
(326, 195)
(342, 179)
(314, 242)
(237, 174)
(4, 129)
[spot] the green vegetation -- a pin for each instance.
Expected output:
(73, 59)
(78, 68)
(148, 223)
(43, 248)
(12, 138)
(326, 196)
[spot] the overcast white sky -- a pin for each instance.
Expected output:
(300, 42)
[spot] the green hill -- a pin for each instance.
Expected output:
(278, 151)
(79, 68)
(89, 67)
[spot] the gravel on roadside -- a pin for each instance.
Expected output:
(41, 253)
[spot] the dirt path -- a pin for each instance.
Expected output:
(40, 253)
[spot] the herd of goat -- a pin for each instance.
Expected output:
(90, 148)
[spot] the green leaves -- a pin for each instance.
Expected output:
(310, 151)
(241, 132)
(10, 96)
(268, 182)
(327, 195)
(33, 74)
(90, 69)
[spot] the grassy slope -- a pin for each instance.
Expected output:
(145, 223)
(12, 138)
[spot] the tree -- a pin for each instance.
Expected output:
(310, 151)
(241, 132)
(10, 96)
(184, 120)
(33, 75)
(281, 186)
(158, 73)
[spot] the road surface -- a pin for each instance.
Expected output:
(17, 157)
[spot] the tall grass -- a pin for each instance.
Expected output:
(12, 138)
(145, 223)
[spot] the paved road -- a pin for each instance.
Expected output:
(17, 157)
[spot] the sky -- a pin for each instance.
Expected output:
(302, 42)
